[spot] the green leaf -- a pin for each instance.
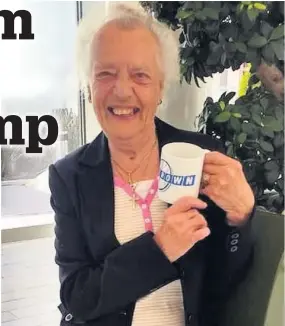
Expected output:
(242, 109)
(240, 7)
(257, 41)
(266, 29)
(253, 80)
(247, 24)
(230, 150)
(279, 113)
(199, 15)
(267, 132)
(197, 5)
(188, 76)
(267, 120)
(278, 48)
(241, 47)
(222, 97)
(256, 109)
(280, 184)
(266, 146)
(223, 58)
(259, 6)
(216, 5)
(230, 107)
(190, 61)
(183, 14)
(264, 102)
(271, 176)
(222, 117)
(248, 128)
(213, 59)
(242, 137)
(251, 55)
(229, 96)
(230, 47)
(211, 13)
(272, 123)
(277, 33)
(268, 53)
(236, 115)
(252, 14)
(235, 124)
(222, 105)
(257, 119)
(271, 165)
(278, 140)
(183, 69)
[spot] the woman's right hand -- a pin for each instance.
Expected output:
(182, 228)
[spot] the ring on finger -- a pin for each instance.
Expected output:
(205, 180)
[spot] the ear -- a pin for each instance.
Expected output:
(161, 89)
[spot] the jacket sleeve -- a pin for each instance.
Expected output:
(229, 255)
(91, 289)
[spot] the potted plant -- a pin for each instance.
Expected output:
(215, 36)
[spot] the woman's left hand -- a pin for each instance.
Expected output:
(225, 184)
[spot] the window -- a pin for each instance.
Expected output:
(39, 78)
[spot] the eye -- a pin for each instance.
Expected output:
(141, 75)
(104, 74)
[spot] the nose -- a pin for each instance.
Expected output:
(123, 88)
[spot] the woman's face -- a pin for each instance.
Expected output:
(126, 82)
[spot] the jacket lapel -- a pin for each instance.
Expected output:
(96, 191)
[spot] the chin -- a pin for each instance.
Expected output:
(124, 133)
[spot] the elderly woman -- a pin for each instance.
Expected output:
(113, 271)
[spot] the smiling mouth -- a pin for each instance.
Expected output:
(123, 112)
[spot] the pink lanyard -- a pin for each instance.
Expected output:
(143, 203)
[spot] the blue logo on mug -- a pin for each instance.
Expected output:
(167, 178)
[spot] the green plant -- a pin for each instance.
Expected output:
(215, 36)
(253, 132)
(224, 34)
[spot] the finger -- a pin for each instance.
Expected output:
(182, 218)
(184, 204)
(210, 168)
(211, 191)
(217, 158)
(201, 234)
(192, 213)
(197, 222)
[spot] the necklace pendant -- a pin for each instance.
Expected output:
(134, 200)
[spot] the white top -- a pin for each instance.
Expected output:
(163, 307)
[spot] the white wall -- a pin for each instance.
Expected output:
(184, 102)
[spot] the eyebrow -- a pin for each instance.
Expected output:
(103, 65)
(100, 65)
(140, 68)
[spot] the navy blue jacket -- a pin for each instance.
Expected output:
(101, 280)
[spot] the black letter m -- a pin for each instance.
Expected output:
(9, 25)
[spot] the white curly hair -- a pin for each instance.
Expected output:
(129, 14)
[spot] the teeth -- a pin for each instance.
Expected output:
(123, 111)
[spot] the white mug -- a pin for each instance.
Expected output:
(181, 167)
